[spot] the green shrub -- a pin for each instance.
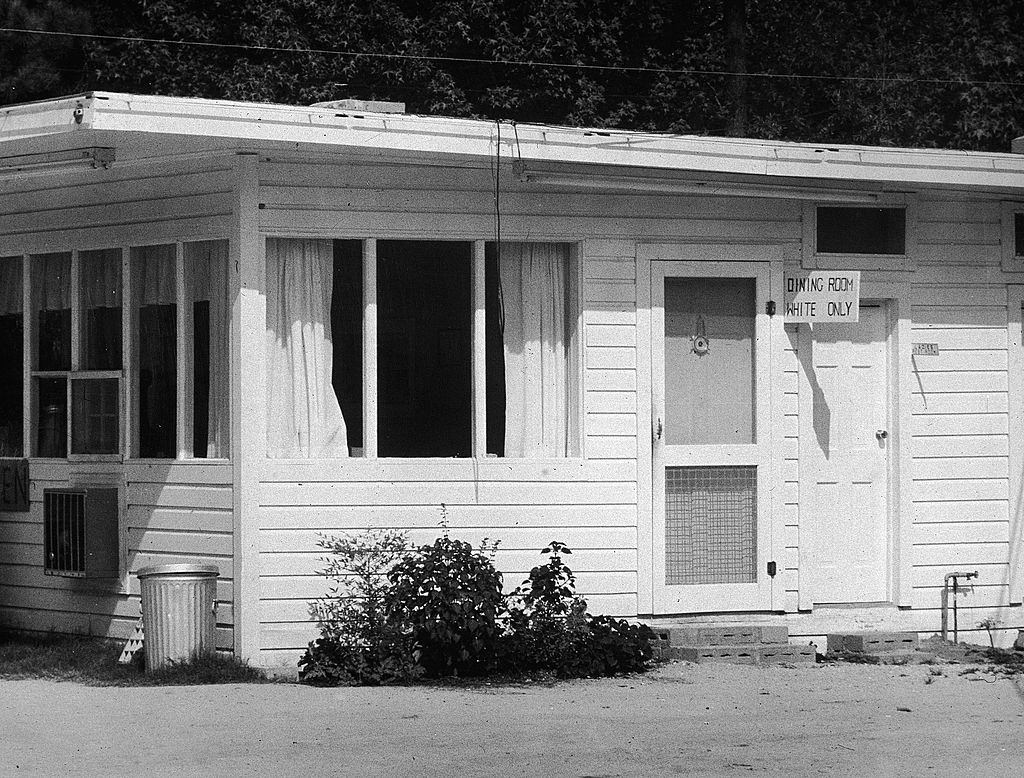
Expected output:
(451, 596)
(362, 641)
(548, 628)
(394, 614)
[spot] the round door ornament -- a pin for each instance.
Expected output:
(701, 343)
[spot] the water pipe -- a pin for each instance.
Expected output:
(955, 576)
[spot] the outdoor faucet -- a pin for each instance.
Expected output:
(957, 587)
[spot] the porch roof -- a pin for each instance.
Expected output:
(145, 127)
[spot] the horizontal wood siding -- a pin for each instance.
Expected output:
(960, 423)
(592, 503)
(124, 205)
(175, 513)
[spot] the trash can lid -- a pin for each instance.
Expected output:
(178, 569)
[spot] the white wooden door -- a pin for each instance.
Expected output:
(846, 446)
(710, 381)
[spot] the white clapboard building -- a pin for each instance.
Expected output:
(745, 381)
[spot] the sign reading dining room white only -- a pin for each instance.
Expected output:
(823, 296)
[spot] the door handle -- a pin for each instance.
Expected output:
(658, 431)
(882, 434)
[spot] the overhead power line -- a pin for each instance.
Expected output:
(514, 62)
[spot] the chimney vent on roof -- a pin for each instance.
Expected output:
(362, 106)
(1017, 147)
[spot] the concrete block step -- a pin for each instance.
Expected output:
(872, 642)
(736, 654)
(788, 654)
(750, 654)
(723, 635)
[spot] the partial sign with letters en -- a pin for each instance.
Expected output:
(14, 485)
(823, 296)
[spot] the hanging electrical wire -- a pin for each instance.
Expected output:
(888, 79)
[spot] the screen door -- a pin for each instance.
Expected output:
(710, 384)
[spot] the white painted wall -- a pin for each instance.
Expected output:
(176, 511)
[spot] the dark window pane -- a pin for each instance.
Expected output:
(95, 415)
(1018, 234)
(12, 363)
(157, 385)
(100, 290)
(11, 392)
(53, 418)
(347, 337)
(206, 293)
(495, 358)
(154, 310)
(423, 296)
(51, 299)
(200, 378)
(861, 231)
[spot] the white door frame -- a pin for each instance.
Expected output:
(706, 259)
(900, 369)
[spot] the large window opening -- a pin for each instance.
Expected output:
(12, 363)
(404, 348)
(423, 356)
(165, 322)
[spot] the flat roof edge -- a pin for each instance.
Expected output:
(386, 133)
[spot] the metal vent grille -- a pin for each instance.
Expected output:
(710, 525)
(64, 533)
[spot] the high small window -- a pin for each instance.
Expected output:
(1018, 234)
(846, 230)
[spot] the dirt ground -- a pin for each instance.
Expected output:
(679, 720)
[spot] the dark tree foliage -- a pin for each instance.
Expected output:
(891, 72)
(33, 67)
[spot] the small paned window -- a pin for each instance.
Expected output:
(844, 230)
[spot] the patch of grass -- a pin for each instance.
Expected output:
(93, 662)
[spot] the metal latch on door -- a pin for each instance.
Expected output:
(881, 434)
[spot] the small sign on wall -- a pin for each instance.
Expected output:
(822, 296)
(14, 485)
(925, 349)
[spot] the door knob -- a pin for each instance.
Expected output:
(882, 434)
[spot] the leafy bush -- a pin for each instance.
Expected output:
(548, 628)
(451, 596)
(362, 639)
(394, 614)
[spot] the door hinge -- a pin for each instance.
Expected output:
(769, 307)
(772, 569)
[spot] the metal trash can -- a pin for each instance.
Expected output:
(179, 612)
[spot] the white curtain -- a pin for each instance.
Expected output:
(210, 283)
(303, 416)
(10, 286)
(533, 288)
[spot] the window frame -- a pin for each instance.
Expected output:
(127, 393)
(812, 259)
(1010, 211)
(478, 368)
